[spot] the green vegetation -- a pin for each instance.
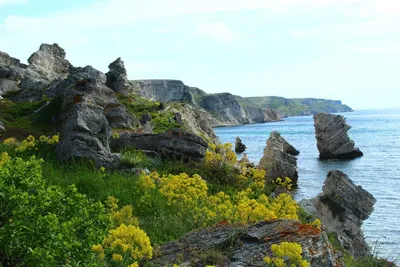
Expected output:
(162, 119)
(369, 261)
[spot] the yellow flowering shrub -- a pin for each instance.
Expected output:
(124, 244)
(221, 153)
(120, 216)
(316, 223)
(286, 254)
(4, 158)
(31, 142)
(287, 183)
(190, 196)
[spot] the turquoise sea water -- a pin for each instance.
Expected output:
(376, 133)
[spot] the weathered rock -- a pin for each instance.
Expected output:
(50, 62)
(178, 118)
(118, 117)
(85, 134)
(278, 159)
(145, 118)
(117, 78)
(6, 59)
(84, 84)
(239, 146)
(2, 127)
(226, 108)
(163, 90)
(342, 207)
(332, 139)
(244, 159)
(246, 245)
(271, 115)
(175, 143)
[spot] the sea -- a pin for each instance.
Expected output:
(376, 133)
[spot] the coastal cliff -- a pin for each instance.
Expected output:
(226, 109)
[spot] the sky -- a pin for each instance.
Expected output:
(347, 50)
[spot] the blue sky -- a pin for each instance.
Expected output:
(336, 49)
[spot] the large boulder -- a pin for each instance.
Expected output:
(246, 245)
(332, 139)
(85, 134)
(50, 62)
(342, 207)
(174, 143)
(279, 158)
(117, 77)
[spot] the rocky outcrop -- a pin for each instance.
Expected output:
(197, 121)
(163, 90)
(332, 139)
(85, 134)
(226, 108)
(2, 127)
(173, 143)
(246, 245)
(239, 146)
(46, 67)
(271, 115)
(279, 158)
(117, 77)
(342, 207)
(50, 62)
(89, 109)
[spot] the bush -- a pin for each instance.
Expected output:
(43, 225)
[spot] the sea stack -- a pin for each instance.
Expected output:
(279, 158)
(239, 146)
(332, 139)
(342, 207)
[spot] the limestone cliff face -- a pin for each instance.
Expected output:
(163, 90)
(223, 109)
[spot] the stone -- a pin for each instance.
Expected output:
(271, 115)
(239, 146)
(246, 245)
(118, 117)
(332, 139)
(2, 127)
(50, 62)
(173, 143)
(117, 77)
(85, 134)
(163, 90)
(279, 158)
(178, 118)
(145, 118)
(342, 207)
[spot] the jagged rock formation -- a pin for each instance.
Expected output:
(332, 139)
(46, 67)
(239, 146)
(197, 121)
(50, 62)
(342, 207)
(117, 77)
(85, 130)
(246, 245)
(174, 143)
(279, 158)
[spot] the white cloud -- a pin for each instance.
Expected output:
(12, 2)
(218, 31)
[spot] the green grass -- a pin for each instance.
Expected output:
(162, 120)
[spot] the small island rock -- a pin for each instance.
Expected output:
(332, 139)
(239, 146)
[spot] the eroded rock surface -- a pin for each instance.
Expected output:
(342, 207)
(279, 158)
(332, 139)
(174, 143)
(117, 78)
(246, 245)
(239, 146)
